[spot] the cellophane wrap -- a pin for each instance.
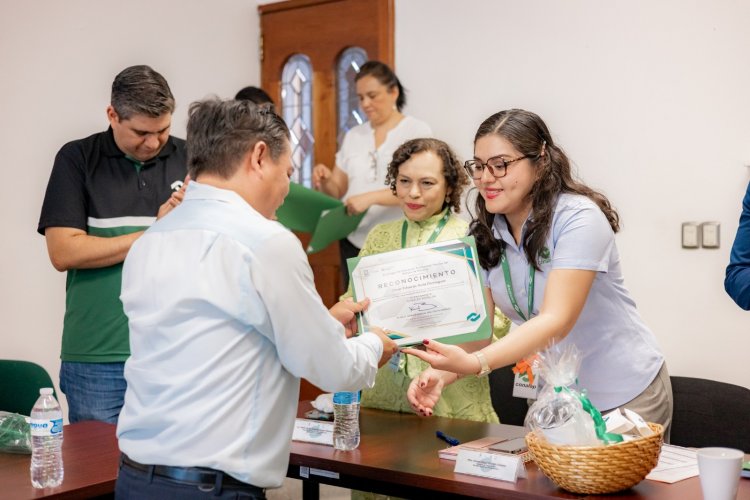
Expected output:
(558, 413)
(15, 433)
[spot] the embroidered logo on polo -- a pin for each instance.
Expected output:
(544, 255)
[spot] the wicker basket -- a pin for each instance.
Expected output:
(597, 469)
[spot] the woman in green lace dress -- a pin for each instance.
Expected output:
(428, 180)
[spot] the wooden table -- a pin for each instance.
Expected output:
(398, 455)
(90, 458)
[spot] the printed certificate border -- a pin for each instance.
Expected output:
(465, 248)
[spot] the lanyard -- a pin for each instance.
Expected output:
(433, 236)
(509, 287)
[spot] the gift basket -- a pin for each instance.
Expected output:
(569, 440)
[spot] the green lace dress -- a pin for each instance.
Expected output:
(467, 398)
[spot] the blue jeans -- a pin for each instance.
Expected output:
(95, 391)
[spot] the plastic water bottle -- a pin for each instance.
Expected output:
(46, 441)
(346, 420)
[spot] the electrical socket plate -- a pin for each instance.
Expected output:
(690, 235)
(710, 235)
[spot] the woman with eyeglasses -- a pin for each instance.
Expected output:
(427, 180)
(547, 245)
(365, 153)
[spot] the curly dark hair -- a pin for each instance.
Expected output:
(456, 178)
(529, 135)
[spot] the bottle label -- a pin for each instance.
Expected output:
(345, 398)
(51, 427)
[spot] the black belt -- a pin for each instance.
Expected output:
(189, 475)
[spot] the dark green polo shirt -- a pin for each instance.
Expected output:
(95, 188)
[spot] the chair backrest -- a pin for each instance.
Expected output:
(510, 410)
(710, 413)
(20, 382)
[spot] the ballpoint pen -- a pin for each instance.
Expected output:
(450, 440)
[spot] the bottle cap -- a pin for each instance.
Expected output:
(46, 391)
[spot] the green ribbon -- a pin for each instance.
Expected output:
(599, 425)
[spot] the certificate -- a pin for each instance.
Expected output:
(427, 292)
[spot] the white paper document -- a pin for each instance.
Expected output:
(675, 464)
(426, 292)
(501, 466)
(313, 431)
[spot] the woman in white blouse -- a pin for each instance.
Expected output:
(361, 164)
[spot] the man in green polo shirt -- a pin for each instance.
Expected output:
(103, 192)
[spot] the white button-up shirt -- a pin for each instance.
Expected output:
(224, 320)
(366, 166)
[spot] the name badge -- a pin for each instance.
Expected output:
(502, 466)
(523, 388)
(313, 431)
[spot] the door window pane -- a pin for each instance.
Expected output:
(296, 109)
(349, 114)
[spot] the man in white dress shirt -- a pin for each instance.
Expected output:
(224, 320)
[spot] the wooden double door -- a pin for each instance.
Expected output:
(322, 30)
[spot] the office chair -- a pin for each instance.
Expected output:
(20, 382)
(510, 410)
(710, 413)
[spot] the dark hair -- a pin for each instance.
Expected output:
(529, 135)
(455, 176)
(385, 75)
(139, 90)
(254, 94)
(220, 133)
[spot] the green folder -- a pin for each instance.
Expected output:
(309, 211)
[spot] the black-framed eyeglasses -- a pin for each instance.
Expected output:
(497, 164)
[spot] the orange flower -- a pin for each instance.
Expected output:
(525, 366)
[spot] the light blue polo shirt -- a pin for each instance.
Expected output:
(620, 354)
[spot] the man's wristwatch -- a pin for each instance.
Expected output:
(484, 367)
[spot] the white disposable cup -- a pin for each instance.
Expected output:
(719, 472)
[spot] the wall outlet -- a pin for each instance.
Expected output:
(690, 235)
(710, 235)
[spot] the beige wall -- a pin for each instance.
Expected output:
(649, 98)
(57, 62)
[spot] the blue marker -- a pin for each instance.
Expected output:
(450, 440)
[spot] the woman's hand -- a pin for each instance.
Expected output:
(425, 390)
(320, 175)
(447, 357)
(358, 203)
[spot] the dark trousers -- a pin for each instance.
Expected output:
(139, 484)
(347, 250)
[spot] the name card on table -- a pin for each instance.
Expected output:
(502, 466)
(313, 431)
